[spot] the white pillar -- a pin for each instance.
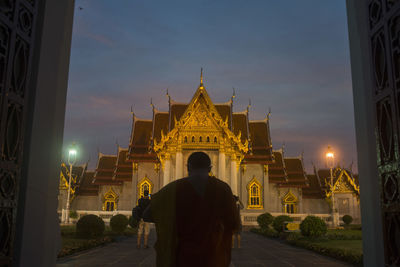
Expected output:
(221, 166)
(167, 166)
(179, 165)
(234, 177)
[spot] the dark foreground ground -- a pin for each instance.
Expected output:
(256, 251)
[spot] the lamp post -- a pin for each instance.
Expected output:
(330, 162)
(71, 162)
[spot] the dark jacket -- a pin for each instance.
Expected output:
(194, 229)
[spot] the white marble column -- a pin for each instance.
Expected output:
(179, 165)
(167, 167)
(234, 177)
(221, 166)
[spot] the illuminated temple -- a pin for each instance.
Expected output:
(241, 153)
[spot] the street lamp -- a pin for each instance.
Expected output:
(71, 161)
(330, 162)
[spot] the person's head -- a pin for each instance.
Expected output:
(199, 162)
(146, 193)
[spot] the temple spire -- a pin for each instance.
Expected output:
(201, 77)
(201, 86)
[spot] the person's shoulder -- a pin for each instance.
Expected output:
(220, 184)
(165, 189)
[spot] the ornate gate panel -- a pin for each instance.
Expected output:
(384, 35)
(17, 32)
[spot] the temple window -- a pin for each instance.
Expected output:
(143, 185)
(208, 139)
(185, 139)
(289, 203)
(215, 139)
(254, 189)
(110, 200)
(200, 139)
(192, 139)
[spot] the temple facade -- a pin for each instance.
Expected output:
(241, 153)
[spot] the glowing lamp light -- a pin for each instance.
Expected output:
(72, 152)
(330, 157)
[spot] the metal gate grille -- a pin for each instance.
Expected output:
(384, 36)
(17, 32)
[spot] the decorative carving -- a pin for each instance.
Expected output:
(393, 237)
(384, 19)
(385, 130)
(200, 127)
(375, 12)
(20, 67)
(15, 65)
(390, 188)
(379, 59)
(6, 230)
(7, 184)
(13, 133)
(25, 20)
(7, 8)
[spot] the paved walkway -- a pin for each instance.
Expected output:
(256, 251)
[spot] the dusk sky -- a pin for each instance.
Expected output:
(291, 56)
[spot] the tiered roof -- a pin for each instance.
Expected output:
(144, 132)
(296, 175)
(321, 179)
(277, 170)
(86, 186)
(123, 168)
(105, 170)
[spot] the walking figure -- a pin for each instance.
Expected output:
(144, 227)
(239, 206)
(195, 218)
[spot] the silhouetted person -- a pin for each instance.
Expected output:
(144, 227)
(195, 218)
(239, 206)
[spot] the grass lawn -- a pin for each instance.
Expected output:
(345, 250)
(72, 244)
(350, 245)
(342, 244)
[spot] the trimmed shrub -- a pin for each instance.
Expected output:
(118, 223)
(73, 214)
(133, 223)
(264, 220)
(268, 232)
(278, 222)
(313, 227)
(90, 226)
(347, 219)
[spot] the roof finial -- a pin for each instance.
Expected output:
(249, 105)
(201, 77)
(233, 93)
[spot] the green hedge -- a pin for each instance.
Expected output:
(118, 223)
(313, 227)
(347, 219)
(268, 232)
(279, 221)
(336, 234)
(90, 226)
(264, 220)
